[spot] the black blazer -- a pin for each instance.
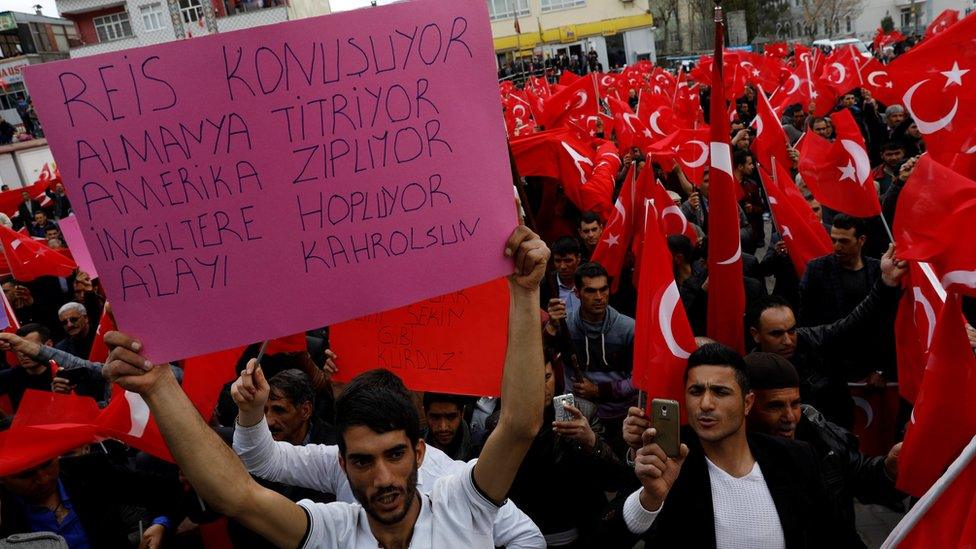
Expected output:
(791, 472)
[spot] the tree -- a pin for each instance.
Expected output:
(666, 11)
(829, 15)
(887, 23)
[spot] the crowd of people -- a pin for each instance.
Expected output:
(767, 457)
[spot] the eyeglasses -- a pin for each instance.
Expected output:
(71, 320)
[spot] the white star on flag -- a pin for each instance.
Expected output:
(612, 240)
(847, 172)
(954, 76)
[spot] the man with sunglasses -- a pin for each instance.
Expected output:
(74, 320)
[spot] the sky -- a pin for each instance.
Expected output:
(343, 5)
(27, 6)
(50, 7)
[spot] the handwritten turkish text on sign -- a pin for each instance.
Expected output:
(258, 183)
(453, 343)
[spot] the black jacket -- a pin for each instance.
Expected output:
(823, 376)
(847, 473)
(822, 297)
(101, 492)
(687, 518)
(558, 485)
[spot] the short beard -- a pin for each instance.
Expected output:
(410, 496)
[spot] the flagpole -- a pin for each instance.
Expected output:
(908, 522)
(887, 228)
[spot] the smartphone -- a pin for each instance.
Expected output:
(666, 420)
(558, 403)
(74, 375)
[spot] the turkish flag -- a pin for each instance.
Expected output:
(921, 303)
(128, 419)
(761, 70)
(878, 82)
(803, 234)
(686, 146)
(884, 39)
(726, 292)
(669, 216)
(518, 114)
(944, 419)
(46, 426)
(567, 78)
(295, 343)
(839, 173)
(951, 521)
(631, 131)
(575, 101)
(842, 69)
(770, 141)
(942, 22)
(30, 259)
(776, 49)
(937, 84)
(687, 105)
(611, 250)
(935, 210)
(794, 89)
(99, 350)
(875, 418)
(662, 336)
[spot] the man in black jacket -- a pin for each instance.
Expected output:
(814, 350)
(746, 490)
(846, 471)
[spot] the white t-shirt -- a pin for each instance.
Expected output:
(316, 466)
(453, 515)
(745, 515)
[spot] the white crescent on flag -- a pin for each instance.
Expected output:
(928, 126)
(665, 315)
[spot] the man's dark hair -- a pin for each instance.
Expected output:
(759, 306)
(295, 385)
(378, 400)
(740, 157)
(41, 330)
(681, 244)
(770, 371)
(457, 400)
(716, 354)
(566, 245)
(844, 221)
(893, 145)
(589, 270)
(590, 217)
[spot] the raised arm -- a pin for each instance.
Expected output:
(522, 381)
(210, 466)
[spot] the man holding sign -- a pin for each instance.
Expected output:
(380, 446)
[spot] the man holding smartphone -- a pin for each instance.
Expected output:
(724, 488)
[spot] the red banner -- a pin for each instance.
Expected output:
(875, 417)
(454, 343)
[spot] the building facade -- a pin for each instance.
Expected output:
(112, 25)
(620, 31)
(28, 39)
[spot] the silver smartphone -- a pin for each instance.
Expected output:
(559, 402)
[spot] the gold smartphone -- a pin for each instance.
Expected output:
(666, 420)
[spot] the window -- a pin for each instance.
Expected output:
(506, 9)
(152, 16)
(550, 5)
(114, 26)
(192, 10)
(906, 17)
(41, 39)
(849, 24)
(60, 37)
(9, 45)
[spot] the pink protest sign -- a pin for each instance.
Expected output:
(76, 243)
(254, 184)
